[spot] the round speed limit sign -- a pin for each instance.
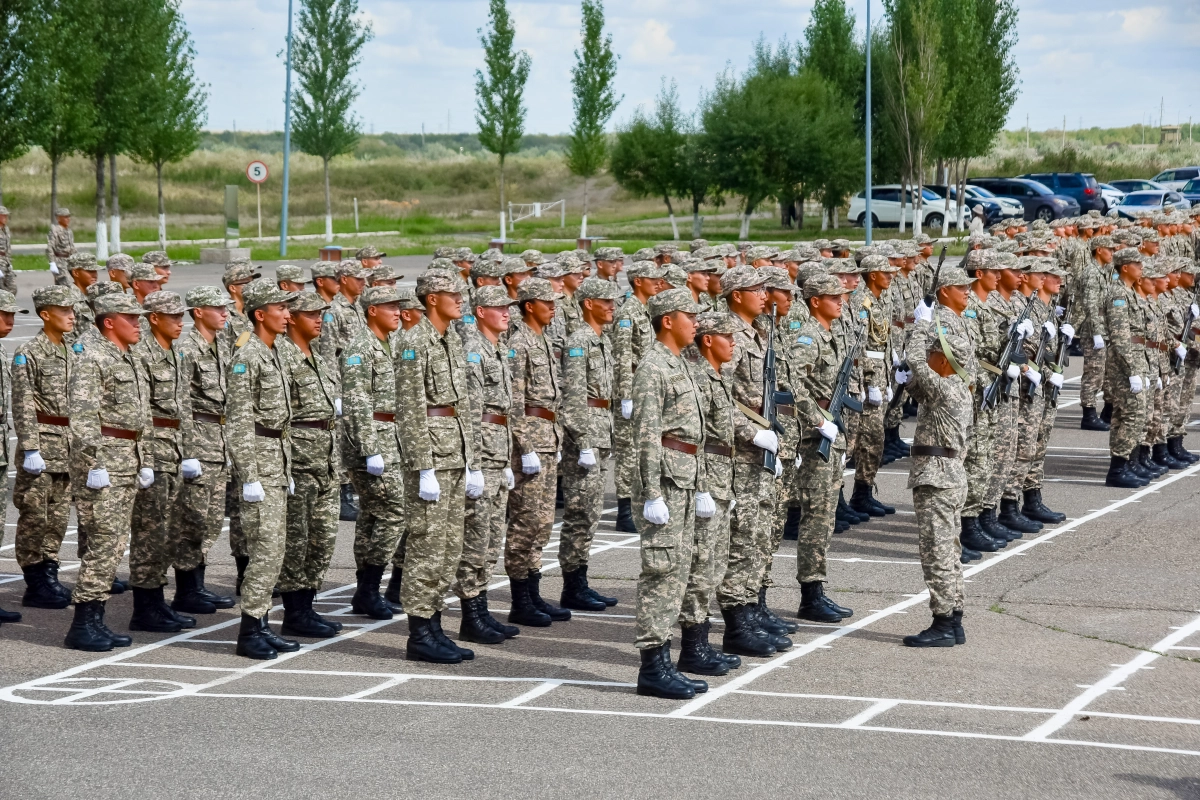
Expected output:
(256, 171)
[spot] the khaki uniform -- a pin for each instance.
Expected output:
(988, 333)
(60, 246)
(632, 337)
(1124, 321)
(1092, 290)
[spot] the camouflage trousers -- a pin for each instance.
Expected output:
(1128, 417)
(530, 517)
(154, 531)
(104, 519)
(265, 524)
(381, 515)
(1183, 393)
(710, 556)
(1029, 418)
(938, 513)
(785, 498)
(312, 526)
(750, 525)
(583, 503)
(1004, 450)
(625, 450)
(483, 534)
(233, 510)
(63, 278)
(44, 506)
(1092, 381)
(435, 540)
(817, 484)
(8, 278)
(868, 448)
(201, 515)
(893, 413)
(980, 456)
(1156, 413)
(666, 554)
(1041, 443)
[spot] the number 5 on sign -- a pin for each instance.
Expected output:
(256, 171)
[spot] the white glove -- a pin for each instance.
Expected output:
(778, 468)
(510, 478)
(531, 464)
(896, 360)
(890, 394)
(474, 483)
(656, 512)
(291, 486)
(191, 468)
(1056, 378)
(1195, 310)
(1049, 327)
(54, 268)
(874, 396)
(429, 491)
(375, 465)
(35, 465)
(558, 457)
(828, 430)
(902, 376)
(732, 503)
(1013, 371)
(1025, 328)
(1158, 383)
(799, 460)
(98, 478)
(1180, 351)
(587, 458)
(337, 406)
(923, 313)
(626, 409)
(145, 477)
(253, 492)
(705, 506)
(1097, 342)
(767, 440)
(1135, 383)
(1059, 311)
(1068, 331)
(1034, 377)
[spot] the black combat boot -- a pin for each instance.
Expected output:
(186, 620)
(435, 622)
(187, 594)
(841, 611)
(1034, 508)
(367, 599)
(840, 525)
(733, 661)
(575, 593)
(625, 515)
(1163, 457)
(847, 514)
(1120, 476)
(118, 586)
(251, 642)
(349, 504)
(969, 555)
(1175, 445)
(475, 626)
(151, 615)
(242, 562)
(299, 618)
(311, 594)
(939, 634)
(609, 602)
(658, 678)
(992, 527)
(39, 593)
(1091, 420)
(425, 645)
(1106, 413)
(84, 633)
(765, 612)
(763, 628)
(9, 616)
(791, 526)
(279, 643)
(509, 631)
(739, 637)
(879, 505)
(972, 537)
(553, 612)
(392, 595)
(813, 606)
(861, 500)
(1134, 466)
(696, 654)
(51, 576)
(890, 453)
(218, 600)
(1011, 517)
(1155, 470)
(523, 611)
(960, 636)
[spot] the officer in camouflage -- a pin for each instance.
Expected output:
(60, 245)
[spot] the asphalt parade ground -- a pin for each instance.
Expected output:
(1080, 677)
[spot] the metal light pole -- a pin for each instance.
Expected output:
(867, 204)
(287, 138)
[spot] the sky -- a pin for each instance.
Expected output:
(1102, 63)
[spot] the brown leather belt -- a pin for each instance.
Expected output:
(1138, 339)
(50, 419)
(823, 404)
(538, 411)
(165, 422)
(594, 403)
(204, 416)
(682, 447)
(927, 450)
(1158, 346)
(495, 419)
(440, 411)
(718, 450)
(315, 424)
(383, 416)
(120, 433)
(265, 432)
(787, 411)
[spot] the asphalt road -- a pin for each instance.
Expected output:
(1079, 680)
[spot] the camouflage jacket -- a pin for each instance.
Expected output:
(944, 416)
(489, 386)
(1092, 293)
(535, 382)
(170, 401)
(41, 371)
(875, 356)
(431, 373)
(817, 358)
(257, 404)
(587, 377)
(237, 324)
(989, 333)
(745, 373)
(85, 318)
(368, 390)
(109, 389)
(633, 337)
(1156, 336)
(5, 241)
(716, 405)
(666, 404)
(60, 243)
(311, 391)
(327, 345)
(205, 364)
(1124, 320)
(347, 321)
(572, 315)
(5, 395)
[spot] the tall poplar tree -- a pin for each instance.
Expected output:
(595, 101)
(500, 89)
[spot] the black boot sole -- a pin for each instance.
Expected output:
(582, 605)
(429, 658)
(257, 654)
(912, 641)
(828, 616)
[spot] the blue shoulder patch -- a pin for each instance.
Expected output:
(473, 358)
(804, 340)
(328, 317)
(408, 355)
(19, 360)
(239, 368)
(575, 352)
(512, 353)
(1118, 303)
(970, 313)
(352, 360)
(77, 347)
(469, 319)
(795, 324)
(625, 323)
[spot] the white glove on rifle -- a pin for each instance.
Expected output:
(54, 268)
(874, 396)
(98, 478)
(587, 459)
(33, 463)
(1068, 331)
(705, 506)
(1025, 329)
(337, 406)
(922, 313)
(430, 490)
(375, 465)
(902, 376)
(1013, 371)
(291, 486)
(656, 512)
(1195, 310)
(1056, 378)
(1034, 377)
(1158, 382)
(510, 478)
(190, 467)
(531, 464)
(799, 461)
(767, 440)
(890, 394)
(145, 477)
(778, 468)
(626, 409)
(1049, 327)
(558, 457)
(252, 492)
(828, 430)
(1097, 342)
(474, 484)
(1180, 351)
(1135, 383)
(896, 360)
(1059, 311)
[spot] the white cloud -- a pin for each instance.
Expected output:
(652, 44)
(1143, 23)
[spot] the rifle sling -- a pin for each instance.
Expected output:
(754, 416)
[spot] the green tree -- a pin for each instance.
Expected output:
(17, 52)
(327, 49)
(595, 101)
(696, 178)
(830, 48)
(647, 154)
(499, 111)
(740, 132)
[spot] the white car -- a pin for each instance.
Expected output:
(1111, 195)
(1176, 178)
(885, 208)
(1008, 206)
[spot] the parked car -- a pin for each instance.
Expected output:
(1136, 185)
(1112, 196)
(992, 210)
(1039, 202)
(885, 207)
(1137, 204)
(1012, 208)
(1176, 178)
(1191, 191)
(1081, 186)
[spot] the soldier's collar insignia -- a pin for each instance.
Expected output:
(77, 347)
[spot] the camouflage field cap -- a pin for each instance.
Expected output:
(513, 265)
(777, 278)
(156, 257)
(572, 264)
(842, 266)
(102, 288)
(952, 276)
(207, 297)
(740, 278)
(878, 263)
(919, 237)
(645, 254)
(323, 269)
(291, 273)
(46, 296)
(261, 292)
(351, 268)
(436, 280)
(306, 301)
(609, 254)
(237, 272)
(368, 251)
(382, 274)
(761, 251)
(121, 261)
(378, 295)
(163, 302)
(1047, 266)
(409, 300)
(1008, 246)
(715, 323)
(1097, 242)
(675, 276)
(536, 289)
(1127, 255)
(443, 263)
(820, 285)
(998, 259)
(789, 256)
(550, 269)
(597, 289)
(445, 251)
(8, 300)
(493, 297)
(809, 271)
(490, 255)
(84, 261)
(1149, 235)
(696, 244)
(976, 259)
(703, 253)
(666, 248)
(1152, 268)
(3, 211)
(117, 304)
(62, 211)
(145, 272)
(534, 257)
(699, 265)
(645, 269)
(822, 244)
(673, 300)
(464, 254)
(487, 268)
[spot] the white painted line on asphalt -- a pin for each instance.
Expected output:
(532, 694)
(388, 684)
(870, 713)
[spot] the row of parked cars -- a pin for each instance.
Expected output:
(1045, 195)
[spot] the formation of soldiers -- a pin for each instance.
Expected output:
(730, 388)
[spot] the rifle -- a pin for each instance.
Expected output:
(772, 397)
(1188, 335)
(841, 398)
(1011, 354)
(1038, 359)
(1062, 358)
(929, 299)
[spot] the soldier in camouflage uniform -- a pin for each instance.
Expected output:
(119, 265)
(8, 278)
(326, 285)
(1124, 330)
(439, 441)
(8, 312)
(1091, 290)
(109, 409)
(1185, 382)
(609, 261)
(668, 429)
(312, 505)
(290, 278)
(238, 274)
(258, 412)
(699, 276)
(349, 316)
(81, 273)
(369, 256)
(587, 384)
(60, 246)
(1154, 281)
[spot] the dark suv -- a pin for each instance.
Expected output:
(1039, 201)
(1083, 188)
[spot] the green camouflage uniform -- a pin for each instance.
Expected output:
(988, 332)
(1160, 369)
(1029, 411)
(1123, 321)
(632, 337)
(60, 246)
(8, 278)
(1004, 437)
(1092, 292)
(875, 361)
(237, 324)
